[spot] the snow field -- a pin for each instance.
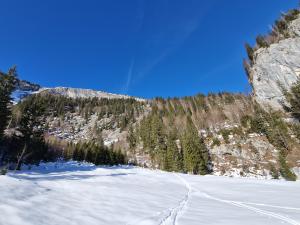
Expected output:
(73, 193)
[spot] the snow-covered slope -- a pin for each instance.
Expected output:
(24, 89)
(19, 94)
(75, 194)
(83, 93)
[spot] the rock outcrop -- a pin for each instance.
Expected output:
(276, 68)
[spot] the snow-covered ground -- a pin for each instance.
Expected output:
(68, 193)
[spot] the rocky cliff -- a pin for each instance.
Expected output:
(275, 67)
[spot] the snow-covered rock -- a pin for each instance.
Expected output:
(84, 93)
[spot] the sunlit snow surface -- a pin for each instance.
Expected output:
(18, 95)
(69, 193)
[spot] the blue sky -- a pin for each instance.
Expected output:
(143, 48)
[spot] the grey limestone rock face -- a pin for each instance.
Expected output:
(276, 68)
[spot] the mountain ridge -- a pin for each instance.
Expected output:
(85, 93)
(28, 88)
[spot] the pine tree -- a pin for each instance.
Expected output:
(131, 138)
(7, 85)
(172, 154)
(196, 158)
(67, 153)
(157, 138)
(31, 126)
(285, 171)
(90, 149)
(250, 52)
(121, 158)
(293, 98)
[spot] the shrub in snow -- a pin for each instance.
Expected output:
(3, 171)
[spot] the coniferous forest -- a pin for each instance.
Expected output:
(167, 130)
(22, 128)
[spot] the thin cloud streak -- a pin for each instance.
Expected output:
(140, 23)
(178, 41)
(219, 69)
(129, 76)
(184, 31)
(174, 38)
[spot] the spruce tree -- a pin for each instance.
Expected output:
(169, 156)
(172, 157)
(157, 144)
(196, 158)
(131, 138)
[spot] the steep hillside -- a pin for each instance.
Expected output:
(74, 119)
(239, 137)
(147, 130)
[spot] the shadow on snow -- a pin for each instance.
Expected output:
(61, 170)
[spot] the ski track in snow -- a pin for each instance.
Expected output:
(183, 205)
(270, 206)
(173, 214)
(245, 205)
(254, 209)
(171, 218)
